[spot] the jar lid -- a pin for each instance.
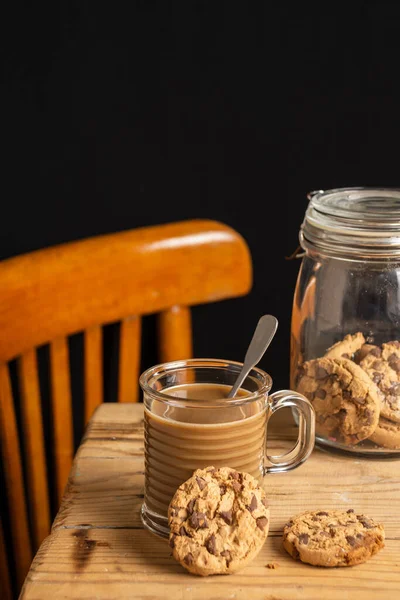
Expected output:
(363, 222)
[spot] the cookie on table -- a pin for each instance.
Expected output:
(383, 367)
(219, 520)
(332, 538)
(346, 401)
(387, 434)
(347, 347)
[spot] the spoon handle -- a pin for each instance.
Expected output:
(261, 339)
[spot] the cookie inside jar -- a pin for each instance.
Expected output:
(345, 342)
(355, 391)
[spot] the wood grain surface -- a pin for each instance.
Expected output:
(99, 549)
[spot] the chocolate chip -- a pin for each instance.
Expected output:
(201, 483)
(194, 520)
(303, 538)
(332, 532)
(188, 559)
(376, 352)
(172, 540)
(262, 522)
(351, 540)
(227, 516)
(222, 489)
(322, 513)
(203, 524)
(211, 544)
(351, 510)
(395, 389)
(182, 531)
(236, 486)
(369, 416)
(265, 502)
(358, 356)
(320, 393)
(235, 475)
(227, 555)
(359, 536)
(300, 373)
(395, 365)
(198, 521)
(359, 400)
(321, 373)
(346, 395)
(289, 523)
(295, 553)
(377, 364)
(253, 504)
(314, 519)
(365, 522)
(377, 377)
(190, 506)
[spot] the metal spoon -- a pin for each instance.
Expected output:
(262, 337)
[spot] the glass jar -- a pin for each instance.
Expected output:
(348, 296)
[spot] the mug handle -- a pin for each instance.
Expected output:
(306, 438)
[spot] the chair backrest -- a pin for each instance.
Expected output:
(47, 295)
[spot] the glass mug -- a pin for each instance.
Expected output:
(182, 434)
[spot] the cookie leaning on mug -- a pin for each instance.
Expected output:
(219, 521)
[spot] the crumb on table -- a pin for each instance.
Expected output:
(272, 565)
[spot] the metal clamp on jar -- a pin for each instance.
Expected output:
(345, 346)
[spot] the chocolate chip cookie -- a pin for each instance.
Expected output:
(387, 434)
(219, 520)
(347, 347)
(332, 538)
(345, 399)
(383, 367)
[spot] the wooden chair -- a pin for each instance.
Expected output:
(50, 294)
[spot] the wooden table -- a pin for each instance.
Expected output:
(99, 549)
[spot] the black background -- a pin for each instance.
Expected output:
(129, 114)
